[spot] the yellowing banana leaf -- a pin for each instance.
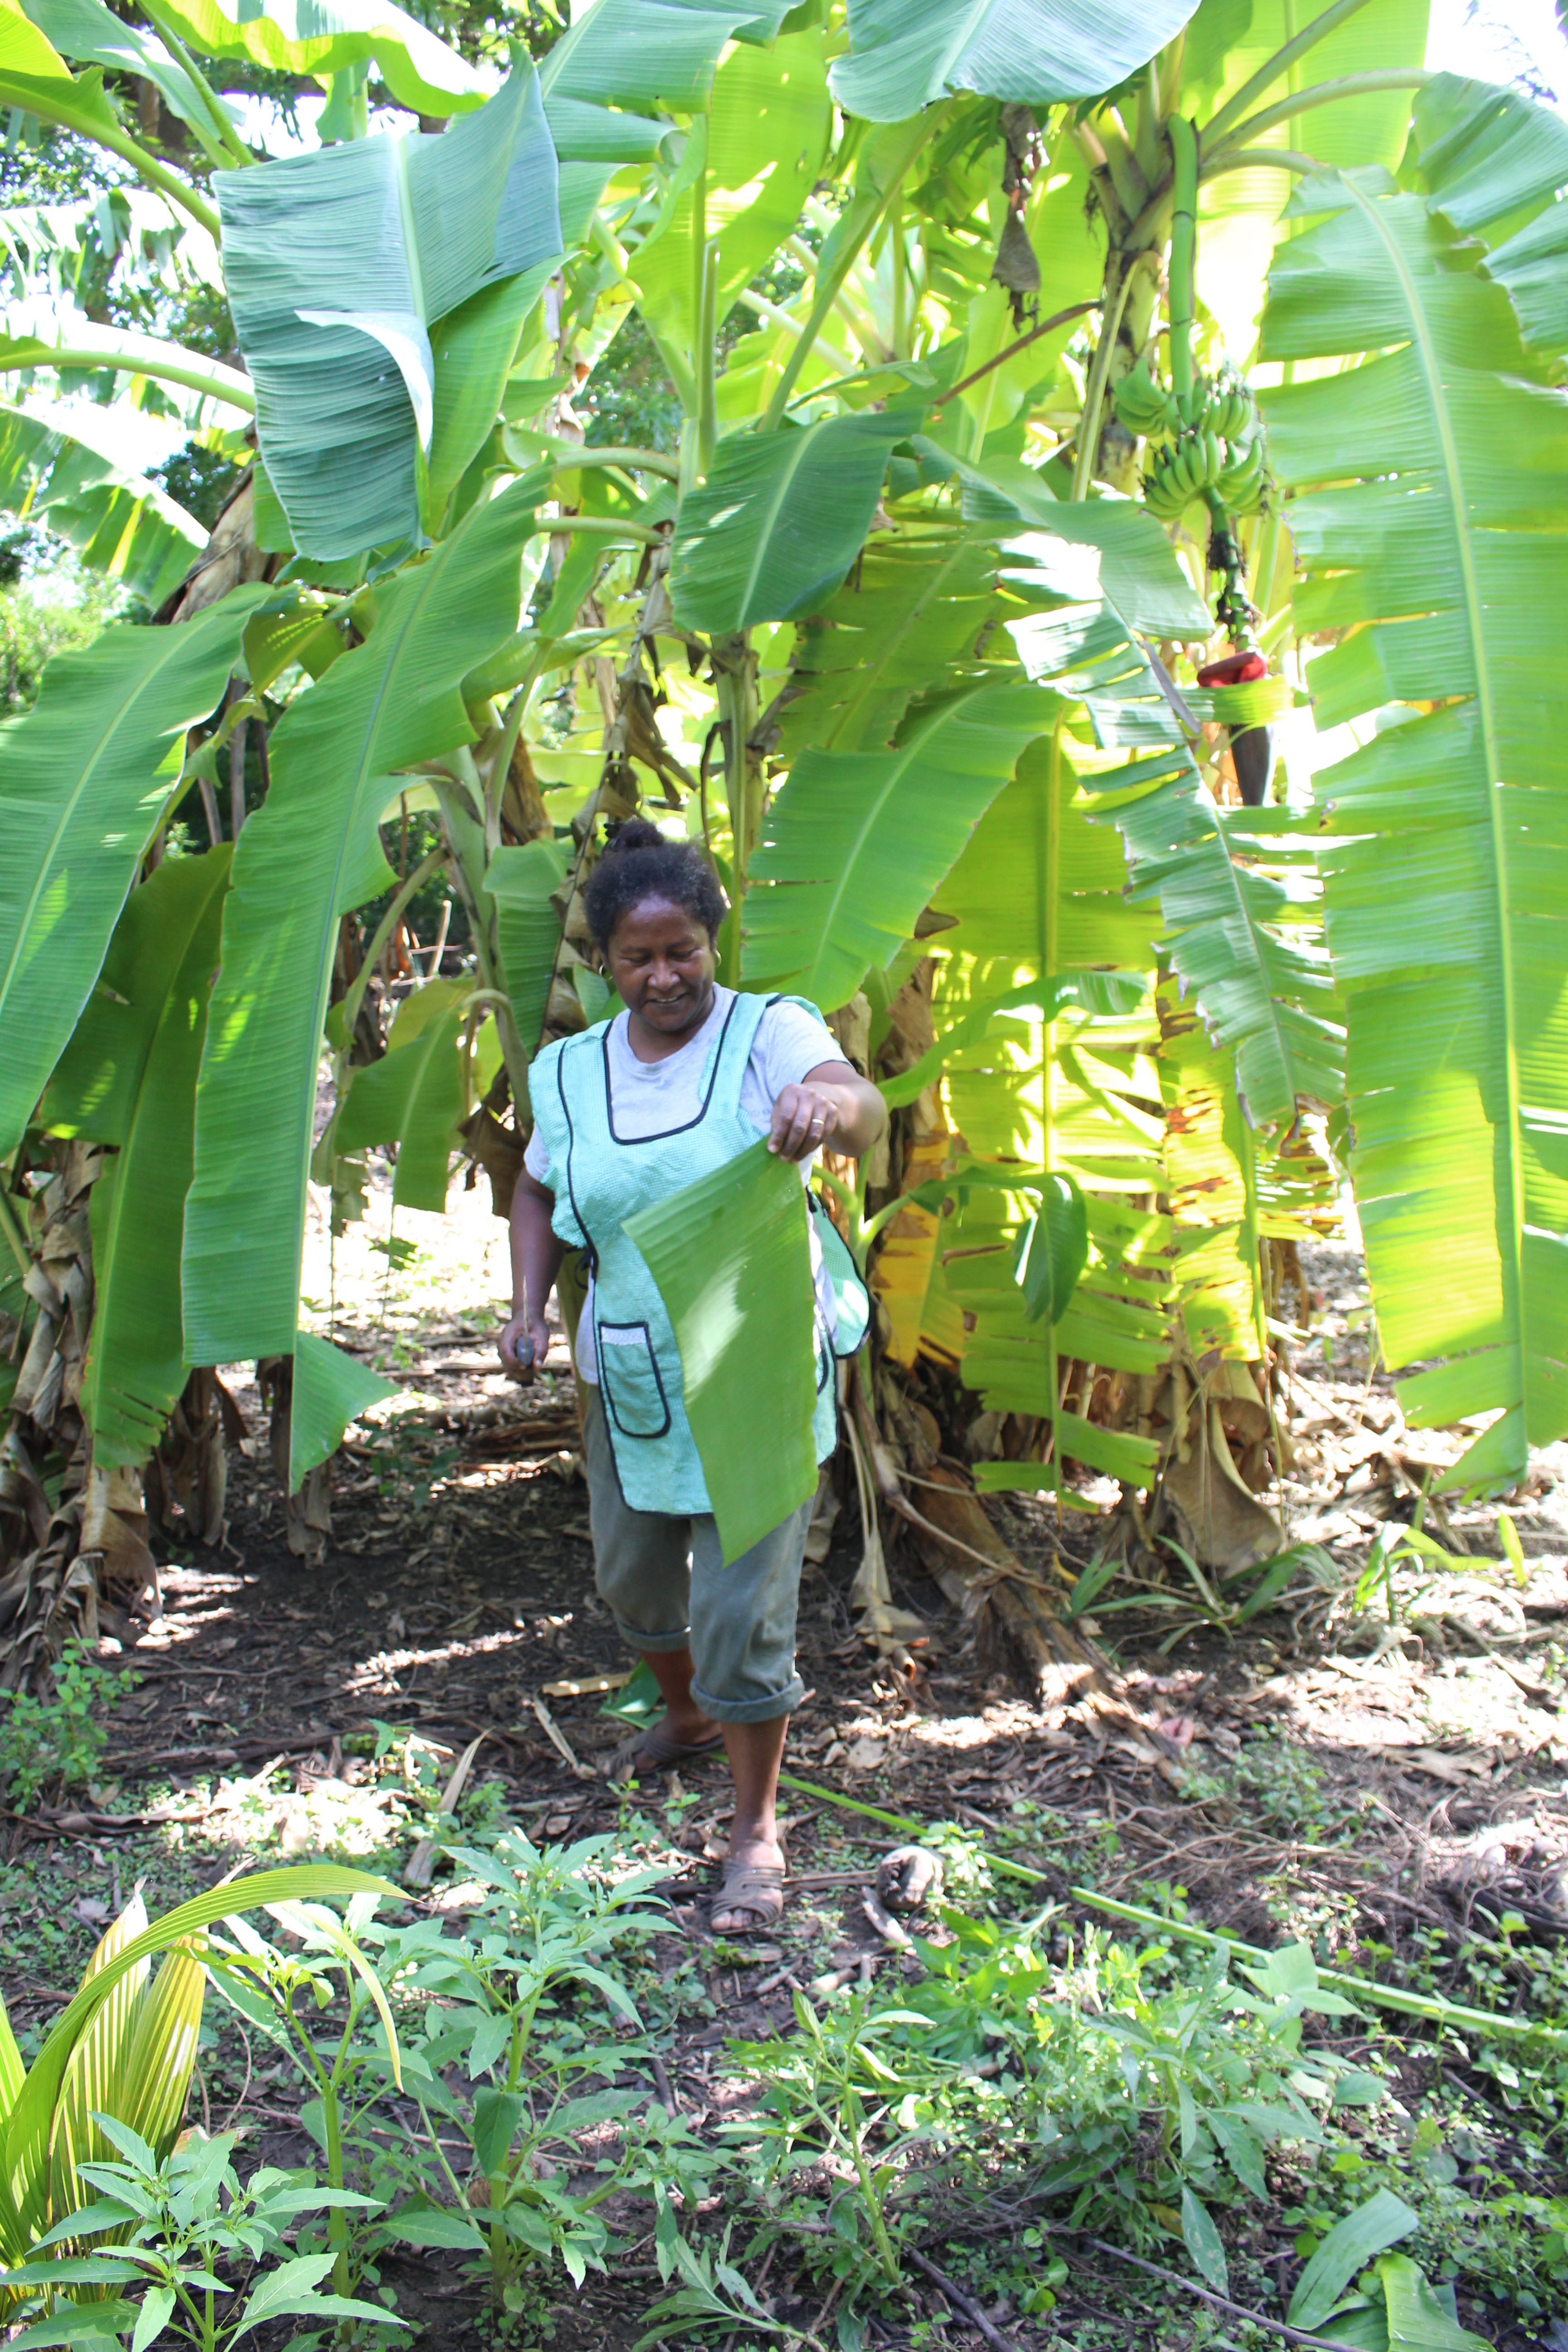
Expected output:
(129, 1078)
(309, 854)
(339, 262)
(905, 53)
(779, 520)
(855, 842)
(1445, 885)
(85, 776)
(731, 1256)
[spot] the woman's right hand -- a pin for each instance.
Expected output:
(523, 1343)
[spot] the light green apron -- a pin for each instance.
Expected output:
(600, 1179)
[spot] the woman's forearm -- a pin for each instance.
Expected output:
(537, 1251)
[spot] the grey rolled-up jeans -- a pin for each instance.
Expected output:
(666, 1584)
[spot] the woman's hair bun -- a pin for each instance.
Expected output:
(635, 832)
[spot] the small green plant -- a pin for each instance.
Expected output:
(174, 2228)
(55, 1742)
(1275, 1782)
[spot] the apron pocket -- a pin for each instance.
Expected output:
(628, 1376)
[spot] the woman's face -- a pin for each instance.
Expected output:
(663, 962)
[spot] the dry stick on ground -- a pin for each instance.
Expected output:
(956, 2296)
(1218, 2302)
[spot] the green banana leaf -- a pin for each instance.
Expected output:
(129, 1078)
(1100, 547)
(85, 776)
(414, 1096)
(339, 262)
(330, 1390)
(520, 878)
(93, 35)
(1239, 210)
(616, 63)
(1492, 159)
(1238, 928)
(769, 123)
(34, 76)
(321, 36)
(118, 522)
(118, 351)
(1037, 883)
(309, 854)
(855, 842)
(1442, 548)
(779, 520)
(732, 1261)
(913, 608)
(905, 53)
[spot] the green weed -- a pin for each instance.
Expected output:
(55, 1743)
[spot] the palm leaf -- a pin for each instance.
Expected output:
(85, 777)
(91, 2081)
(161, 2055)
(119, 523)
(779, 520)
(129, 1078)
(905, 53)
(731, 1256)
(321, 36)
(855, 842)
(309, 854)
(34, 2117)
(338, 263)
(1443, 548)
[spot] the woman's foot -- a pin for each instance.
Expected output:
(751, 1894)
(677, 1738)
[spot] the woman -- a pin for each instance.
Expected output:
(626, 1114)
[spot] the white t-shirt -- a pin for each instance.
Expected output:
(652, 1098)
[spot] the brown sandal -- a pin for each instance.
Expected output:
(653, 1750)
(754, 1886)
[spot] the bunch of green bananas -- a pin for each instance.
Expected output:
(1194, 463)
(1228, 408)
(1243, 477)
(1142, 405)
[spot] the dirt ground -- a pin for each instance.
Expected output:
(456, 1599)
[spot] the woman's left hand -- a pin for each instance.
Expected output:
(805, 1117)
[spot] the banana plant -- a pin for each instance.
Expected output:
(953, 614)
